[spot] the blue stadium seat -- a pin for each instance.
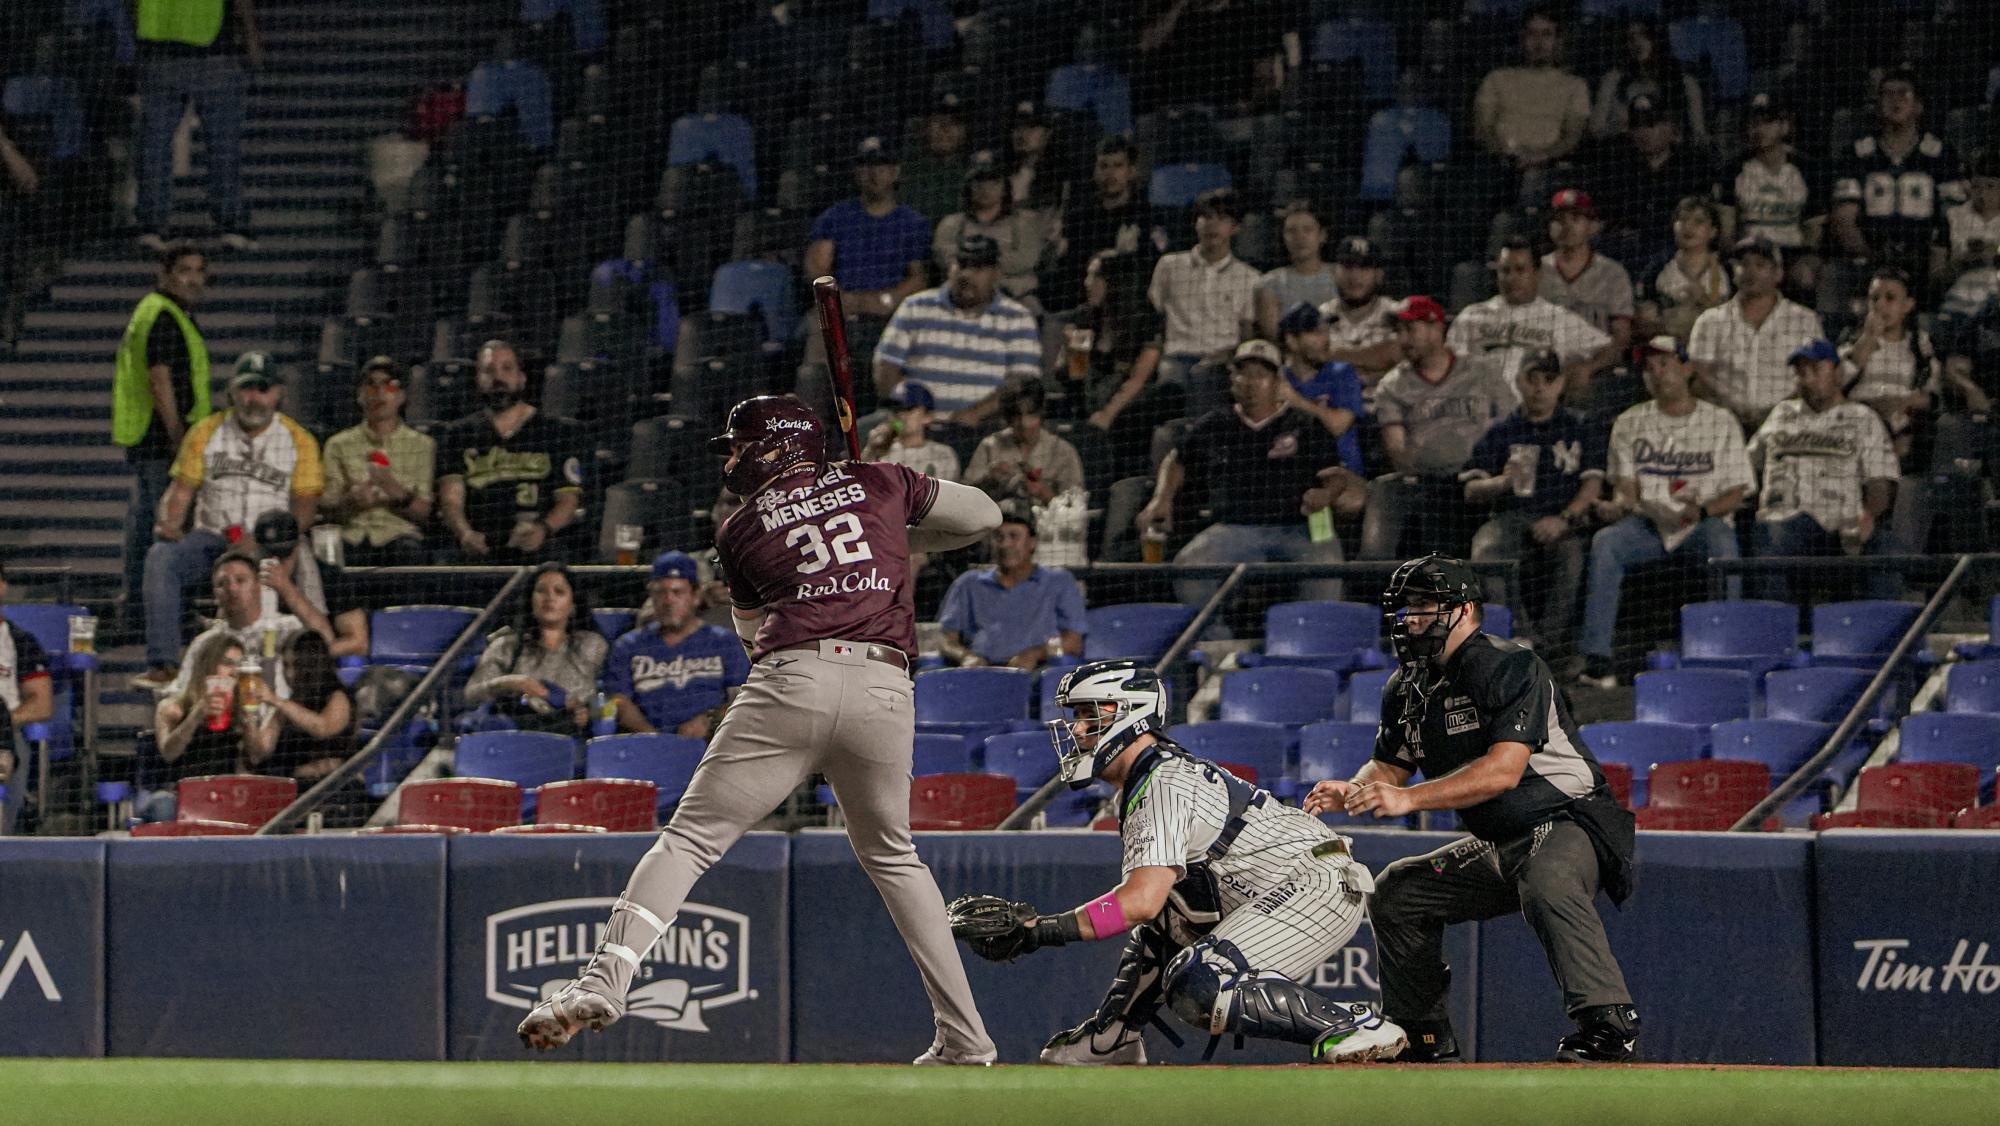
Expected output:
(940, 754)
(975, 695)
(1641, 744)
(517, 85)
(1859, 634)
(1177, 185)
(1981, 650)
(1716, 44)
(1046, 683)
(1951, 737)
(526, 758)
(1817, 694)
(415, 635)
(757, 285)
(1702, 697)
(1784, 745)
(934, 20)
(1140, 630)
(1970, 687)
(1078, 808)
(1025, 756)
(47, 622)
(1325, 635)
(1364, 695)
(614, 623)
(1279, 695)
(1263, 747)
(723, 137)
(667, 761)
(1333, 750)
(1395, 134)
(1093, 88)
(1372, 43)
(1755, 636)
(1496, 619)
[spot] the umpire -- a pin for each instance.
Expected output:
(1482, 719)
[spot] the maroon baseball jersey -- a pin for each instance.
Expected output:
(828, 557)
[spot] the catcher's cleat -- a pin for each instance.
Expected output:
(565, 1013)
(935, 1056)
(1372, 1037)
(1088, 1046)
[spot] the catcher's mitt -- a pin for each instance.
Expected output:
(997, 930)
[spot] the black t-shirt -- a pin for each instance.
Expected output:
(208, 752)
(1569, 448)
(1631, 196)
(1090, 228)
(509, 480)
(1257, 474)
(166, 346)
(1491, 691)
(1209, 55)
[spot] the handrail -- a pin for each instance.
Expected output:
(305, 803)
(1803, 776)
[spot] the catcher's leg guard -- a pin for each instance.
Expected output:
(1112, 1035)
(1211, 987)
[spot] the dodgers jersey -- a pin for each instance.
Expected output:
(670, 683)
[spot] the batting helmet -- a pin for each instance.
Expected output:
(770, 435)
(1434, 580)
(1120, 700)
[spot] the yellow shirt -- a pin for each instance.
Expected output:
(411, 458)
(238, 477)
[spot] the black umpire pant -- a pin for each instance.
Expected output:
(1549, 875)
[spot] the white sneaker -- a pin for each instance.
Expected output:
(565, 1013)
(152, 243)
(936, 1056)
(237, 240)
(1116, 1047)
(1376, 1038)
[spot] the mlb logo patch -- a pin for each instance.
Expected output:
(842, 650)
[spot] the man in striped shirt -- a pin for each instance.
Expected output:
(963, 339)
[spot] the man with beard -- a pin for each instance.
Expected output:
(509, 478)
(233, 467)
(962, 339)
(1359, 323)
(1116, 217)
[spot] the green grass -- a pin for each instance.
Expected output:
(220, 1092)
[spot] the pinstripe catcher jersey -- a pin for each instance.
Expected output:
(1174, 807)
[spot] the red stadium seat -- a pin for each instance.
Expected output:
(1984, 817)
(1684, 820)
(618, 805)
(1618, 776)
(1724, 788)
(1932, 787)
(246, 799)
(541, 827)
(1242, 770)
(192, 828)
(410, 830)
(478, 805)
(1908, 817)
(960, 801)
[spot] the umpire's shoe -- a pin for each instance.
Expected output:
(1604, 1034)
(1086, 1045)
(1431, 1041)
(565, 1013)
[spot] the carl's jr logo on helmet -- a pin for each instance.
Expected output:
(788, 424)
(700, 964)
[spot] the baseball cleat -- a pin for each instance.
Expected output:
(1084, 1046)
(1604, 1034)
(1375, 1037)
(565, 1013)
(935, 1056)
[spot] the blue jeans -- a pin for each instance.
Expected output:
(1257, 543)
(1803, 535)
(158, 805)
(1627, 544)
(170, 569)
(154, 475)
(219, 88)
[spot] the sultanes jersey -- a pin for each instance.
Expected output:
(1815, 461)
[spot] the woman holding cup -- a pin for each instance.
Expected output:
(200, 730)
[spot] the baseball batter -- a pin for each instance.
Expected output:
(1229, 898)
(817, 562)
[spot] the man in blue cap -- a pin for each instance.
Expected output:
(1316, 383)
(673, 673)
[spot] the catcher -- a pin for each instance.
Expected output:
(1228, 897)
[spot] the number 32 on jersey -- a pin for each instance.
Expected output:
(836, 541)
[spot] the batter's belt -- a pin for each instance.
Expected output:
(847, 651)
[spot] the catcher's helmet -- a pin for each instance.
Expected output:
(1137, 702)
(1431, 579)
(776, 433)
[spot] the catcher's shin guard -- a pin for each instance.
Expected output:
(1210, 986)
(1112, 1035)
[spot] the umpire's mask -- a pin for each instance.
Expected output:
(1422, 603)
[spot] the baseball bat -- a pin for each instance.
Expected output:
(833, 333)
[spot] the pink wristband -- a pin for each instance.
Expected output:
(1106, 917)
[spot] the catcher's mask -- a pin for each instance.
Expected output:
(1422, 605)
(1110, 704)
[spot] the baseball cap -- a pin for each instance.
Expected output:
(1758, 244)
(276, 533)
(977, 250)
(255, 369)
(1421, 308)
(1768, 106)
(1356, 250)
(1027, 111)
(1666, 345)
(1542, 360)
(910, 393)
(1302, 317)
(983, 165)
(385, 364)
(1574, 199)
(1642, 111)
(948, 100)
(1261, 350)
(873, 150)
(1814, 350)
(675, 565)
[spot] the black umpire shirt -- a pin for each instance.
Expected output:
(1491, 691)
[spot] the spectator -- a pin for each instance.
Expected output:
(1014, 613)
(933, 181)
(963, 339)
(903, 439)
(1640, 179)
(161, 387)
(1541, 470)
(509, 477)
(1024, 461)
(1518, 321)
(24, 223)
(26, 696)
(1534, 114)
(1648, 73)
(294, 582)
(1740, 346)
(1228, 54)
(1693, 279)
(1119, 334)
(380, 475)
(1116, 217)
(1361, 319)
(1321, 386)
(541, 671)
(1432, 409)
(1305, 277)
(1776, 192)
(1678, 473)
(1263, 468)
(1829, 476)
(311, 733)
(1033, 172)
(1975, 224)
(232, 468)
(248, 621)
(988, 209)
(674, 673)
(1581, 280)
(198, 727)
(1888, 363)
(1205, 296)
(195, 52)
(1890, 202)
(875, 247)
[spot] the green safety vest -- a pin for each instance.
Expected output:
(193, 22)
(132, 386)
